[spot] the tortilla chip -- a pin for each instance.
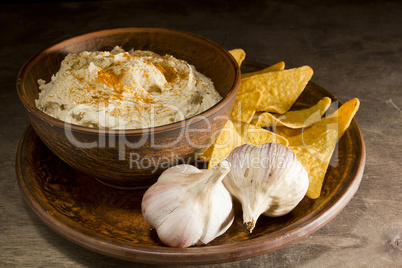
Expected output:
(239, 55)
(227, 140)
(287, 132)
(314, 146)
(295, 119)
(251, 134)
(235, 134)
(279, 89)
(340, 119)
(245, 106)
(314, 153)
(280, 66)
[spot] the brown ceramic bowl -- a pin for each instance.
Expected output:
(132, 158)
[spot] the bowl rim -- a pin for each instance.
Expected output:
(54, 122)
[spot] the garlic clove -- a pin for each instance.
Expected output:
(181, 228)
(188, 206)
(159, 201)
(266, 180)
(218, 210)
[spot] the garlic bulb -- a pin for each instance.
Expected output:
(188, 206)
(266, 180)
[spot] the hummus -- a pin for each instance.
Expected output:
(125, 90)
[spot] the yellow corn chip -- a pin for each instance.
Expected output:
(295, 119)
(340, 119)
(227, 140)
(314, 153)
(288, 132)
(245, 106)
(239, 55)
(280, 66)
(236, 134)
(251, 134)
(279, 89)
(314, 146)
(274, 90)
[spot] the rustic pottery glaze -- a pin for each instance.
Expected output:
(132, 158)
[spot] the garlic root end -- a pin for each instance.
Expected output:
(250, 225)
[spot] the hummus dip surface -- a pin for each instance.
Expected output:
(125, 90)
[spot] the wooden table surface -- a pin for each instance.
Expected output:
(355, 49)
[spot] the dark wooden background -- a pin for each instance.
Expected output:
(355, 49)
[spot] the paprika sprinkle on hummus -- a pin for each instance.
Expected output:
(125, 90)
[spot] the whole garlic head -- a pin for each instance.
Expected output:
(266, 180)
(188, 206)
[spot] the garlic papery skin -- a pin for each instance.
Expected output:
(266, 180)
(189, 206)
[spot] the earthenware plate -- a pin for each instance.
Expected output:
(109, 221)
